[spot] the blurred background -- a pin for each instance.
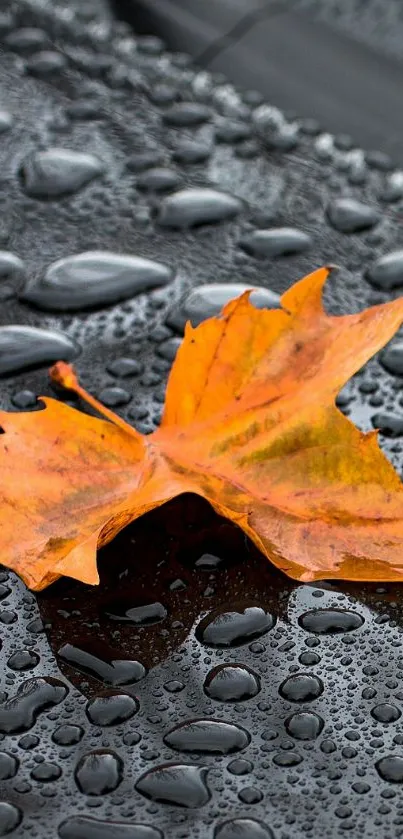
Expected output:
(336, 61)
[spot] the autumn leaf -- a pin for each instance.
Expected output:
(250, 424)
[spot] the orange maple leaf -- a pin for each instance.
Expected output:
(250, 424)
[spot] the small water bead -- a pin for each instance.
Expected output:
(304, 725)
(385, 712)
(46, 63)
(207, 301)
(46, 772)
(23, 660)
(392, 359)
(350, 216)
(207, 736)
(8, 617)
(10, 818)
(183, 784)
(232, 683)
(275, 242)
(57, 172)
(8, 766)
(360, 787)
(186, 114)
(111, 708)
(99, 772)
(232, 628)
(309, 659)
(24, 347)
(169, 348)
(6, 121)
(328, 747)
(28, 741)
(140, 161)
(24, 399)
(94, 278)
(67, 735)
(302, 687)
(287, 759)
(174, 686)
(86, 827)
(158, 179)
(330, 621)
(125, 367)
(198, 205)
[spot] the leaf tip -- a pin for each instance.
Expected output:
(64, 375)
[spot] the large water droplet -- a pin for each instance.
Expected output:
(392, 359)
(243, 828)
(192, 207)
(330, 621)
(207, 735)
(208, 300)
(99, 772)
(350, 216)
(35, 695)
(23, 347)
(280, 241)
(176, 783)
(232, 683)
(8, 766)
(94, 278)
(85, 827)
(303, 687)
(235, 626)
(390, 425)
(99, 662)
(111, 708)
(390, 768)
(10, 818)
(387, 272)
(304, 725)
(385, 712)
(57, 172)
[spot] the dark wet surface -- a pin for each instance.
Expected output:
(197, 691)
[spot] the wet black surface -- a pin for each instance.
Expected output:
(197, 691)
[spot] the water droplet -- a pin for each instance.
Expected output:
(111, 708)
(287, 759)
(207, 735)
(26, 39)
(191, 151)
(11, 266)
(390, 768)
(24, 399)
(124, 367)
(99, 662)
(302, 687)
(387, 272)
(46, 63)
(330, 621)
(94, 278)
(192, 207)
(183, 114)
(139, 161)
(232, 683)
(350, 216)
(23, 347)
(85, 827)
(208, 300)
(34, 695)
(240, 766)
(393, 188)
(67, 735)
(390, 425)
(176, 783)
(243, 829)
(6, 121)
(23, 660)
(232, 131)
(46, 772)
(141, 614)
(207, 562)
(250, 795)
(234, 627)
(114, 396)
(392, 359)
(159, 179)
(99, 772)
(57, 172)
(10, 818)
(304, 725)
(385, 712)
(8, 766)
(281, 241)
